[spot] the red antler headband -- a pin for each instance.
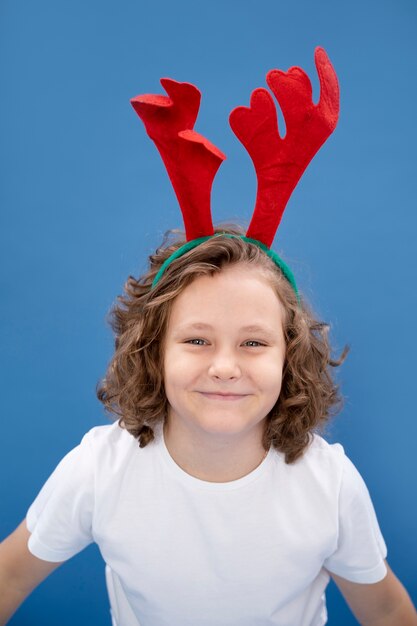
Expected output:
(192, 161)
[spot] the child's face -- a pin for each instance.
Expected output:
(223, 357)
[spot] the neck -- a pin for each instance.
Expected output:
(214, 459)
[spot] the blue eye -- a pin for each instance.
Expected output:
(254, 343)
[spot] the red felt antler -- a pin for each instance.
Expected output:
(190, 159)
(280, 162)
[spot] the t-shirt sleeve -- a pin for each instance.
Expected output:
(361, 550)
(60, 517)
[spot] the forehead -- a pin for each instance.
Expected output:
(237, 294)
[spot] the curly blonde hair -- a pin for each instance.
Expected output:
(133, 387)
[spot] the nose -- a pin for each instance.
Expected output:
(224, 365)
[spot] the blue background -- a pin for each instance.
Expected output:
(85, 199)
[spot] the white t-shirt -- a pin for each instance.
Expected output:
(181, 551)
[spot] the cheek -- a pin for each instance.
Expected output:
(271, 369)
(271, 381)
(178, 369)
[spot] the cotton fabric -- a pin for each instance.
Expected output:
(180, 551)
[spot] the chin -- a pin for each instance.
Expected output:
(226, 424)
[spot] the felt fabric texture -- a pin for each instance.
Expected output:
(280, 162)
(190, 159)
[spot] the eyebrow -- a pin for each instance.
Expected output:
(251, 328)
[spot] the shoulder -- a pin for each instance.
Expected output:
(323, 455)
(107, 434)
(109, 440)
(321, 445)
(112, 449)
(319, 469)
(332, 456)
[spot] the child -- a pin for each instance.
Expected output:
(233, 510)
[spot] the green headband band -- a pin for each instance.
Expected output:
(195, 242)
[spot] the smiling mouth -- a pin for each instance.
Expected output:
(220, 396)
